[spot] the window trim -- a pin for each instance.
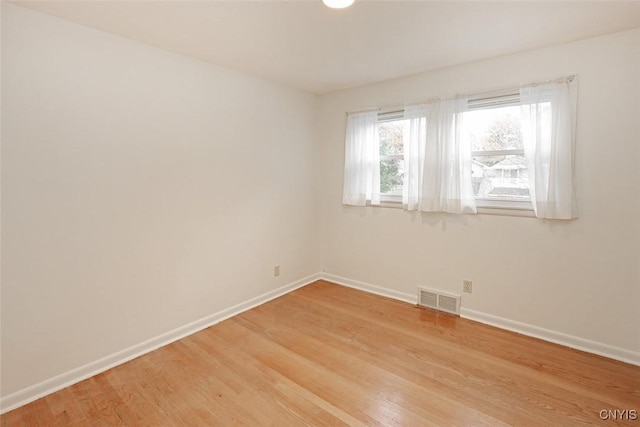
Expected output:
(524, 204)
(390, 198)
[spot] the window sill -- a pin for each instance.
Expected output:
(392, 205)
(524, 213)
(519, 212)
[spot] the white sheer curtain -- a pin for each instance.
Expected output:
(548, 112)
(437, 159)
(415, 140)
(362, 160)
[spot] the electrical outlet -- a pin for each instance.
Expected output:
(276, 270)
(467, 286)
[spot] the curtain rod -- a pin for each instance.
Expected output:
(562, 79)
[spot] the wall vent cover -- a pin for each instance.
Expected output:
(428, 298)
(439, 300)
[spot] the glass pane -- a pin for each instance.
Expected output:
(494, 128)
(390, 135)
(391, 175)
(500, 177)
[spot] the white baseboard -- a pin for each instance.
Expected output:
(368, 287)
(36, 391)
(566, 340)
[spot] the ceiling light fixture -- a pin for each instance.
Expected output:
(337, 4)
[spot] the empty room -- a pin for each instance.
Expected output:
(320, 212)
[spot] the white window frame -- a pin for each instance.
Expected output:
(479, 102)
(496, 100)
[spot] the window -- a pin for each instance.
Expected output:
(493, 127)
(457, 154)
(390, 141)
(498, 167)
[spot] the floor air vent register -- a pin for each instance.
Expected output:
(439, 300)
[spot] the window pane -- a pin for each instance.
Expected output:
(391, 175)
(494, 128)
(500, 177)
(390, 134)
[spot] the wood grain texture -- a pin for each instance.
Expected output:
(329, 355)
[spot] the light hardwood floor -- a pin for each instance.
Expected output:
(328, 355)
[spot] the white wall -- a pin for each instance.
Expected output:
(141, 190)
(579, 278)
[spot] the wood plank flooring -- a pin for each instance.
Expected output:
(327, 355)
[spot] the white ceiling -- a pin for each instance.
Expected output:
(308, 46)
